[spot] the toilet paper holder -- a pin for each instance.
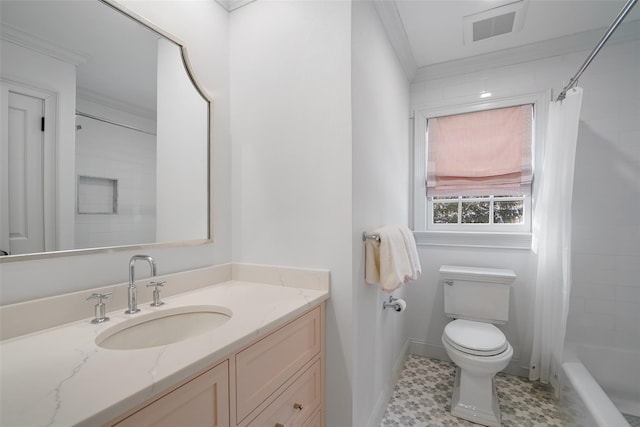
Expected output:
(395, 303)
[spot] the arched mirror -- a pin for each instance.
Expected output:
(105, 136)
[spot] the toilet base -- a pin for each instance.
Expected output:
(480, 411)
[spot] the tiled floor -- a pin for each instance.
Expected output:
(423, 398)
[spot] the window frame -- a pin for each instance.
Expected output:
(483, 235)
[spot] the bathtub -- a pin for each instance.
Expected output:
(585, 398)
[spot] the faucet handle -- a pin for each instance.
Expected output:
(156, 293)
(99, 297)
(156, 284)
(100, 307)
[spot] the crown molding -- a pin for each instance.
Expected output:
(392, 23)
(231, 5)
(42, 46)
(573, 43)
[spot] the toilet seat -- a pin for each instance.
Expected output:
(475, 338)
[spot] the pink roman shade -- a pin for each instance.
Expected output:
(481, 153)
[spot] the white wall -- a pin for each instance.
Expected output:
(203, 25)
(605, 290)
(380, 106)
(182, 202)
(291, 121)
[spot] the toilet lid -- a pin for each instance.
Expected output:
(477, 338)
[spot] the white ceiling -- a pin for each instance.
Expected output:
(426, 34)
(431, 32)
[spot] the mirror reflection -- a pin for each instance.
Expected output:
(105, 137)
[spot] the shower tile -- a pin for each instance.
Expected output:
(586, 261)
(626, 277)
(577, 332)
(598, 306)
(422, 398)
(577, 304)
(595, 291)
(628, 293)
(628, 340)
(628, 262)
(598, 321)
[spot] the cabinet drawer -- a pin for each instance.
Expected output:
(294, 406)
(267, 364)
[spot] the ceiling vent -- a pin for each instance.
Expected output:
(494, 22)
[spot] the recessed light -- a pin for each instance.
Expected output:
(485, 94)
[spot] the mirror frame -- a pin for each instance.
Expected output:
(129, 14)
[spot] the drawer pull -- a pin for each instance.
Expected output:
(297, 406)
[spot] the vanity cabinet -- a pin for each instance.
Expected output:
(276, 381)
(203, 401)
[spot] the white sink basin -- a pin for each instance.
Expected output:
(163, 327)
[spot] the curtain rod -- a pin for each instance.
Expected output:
(574, 80)
(111, 122)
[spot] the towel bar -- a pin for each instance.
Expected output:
(366, 236)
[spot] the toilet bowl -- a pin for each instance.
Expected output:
(477, 361)
(477, 298)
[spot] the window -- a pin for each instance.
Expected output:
(490, 210)
(474, 167)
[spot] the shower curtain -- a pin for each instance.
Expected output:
(552, 239)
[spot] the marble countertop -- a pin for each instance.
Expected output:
(60, 377)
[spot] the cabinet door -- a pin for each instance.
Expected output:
(202, 402)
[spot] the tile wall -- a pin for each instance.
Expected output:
(128, 157)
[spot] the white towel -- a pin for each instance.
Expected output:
(412, 253)
(393, 260)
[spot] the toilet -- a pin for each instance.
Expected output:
(478, 299)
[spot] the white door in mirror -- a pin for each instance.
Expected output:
(25, 210)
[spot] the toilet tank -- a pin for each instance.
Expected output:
(477, 293)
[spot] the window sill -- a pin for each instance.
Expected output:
(520, 241)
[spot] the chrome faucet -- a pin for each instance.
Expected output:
(133, 292)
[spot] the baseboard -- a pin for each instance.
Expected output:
(385, 395)
(421, 348)
(514, 368)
